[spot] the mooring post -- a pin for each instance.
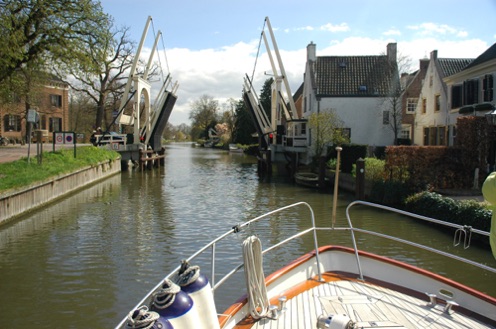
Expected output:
(360, 179)
(140, 159)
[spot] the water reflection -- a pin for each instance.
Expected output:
(86, 260)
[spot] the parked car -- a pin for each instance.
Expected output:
(110, 137)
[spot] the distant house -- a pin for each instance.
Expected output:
(52, 105)
(356, 88)
(412, 85)
(433, 122)
(471, 90)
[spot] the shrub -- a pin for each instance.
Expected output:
(468, 212)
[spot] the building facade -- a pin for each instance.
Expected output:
(51, 104)
(355, 87)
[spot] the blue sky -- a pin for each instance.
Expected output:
(210, 45)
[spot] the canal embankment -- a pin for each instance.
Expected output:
(22, 199)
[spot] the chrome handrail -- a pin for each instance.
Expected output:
(409, 214)
(235, 229)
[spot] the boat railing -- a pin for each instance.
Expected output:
(236, 229)
(314, 230)
(459, 231)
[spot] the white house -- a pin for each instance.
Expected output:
(471, 90)
(355, 87)
(434, 122)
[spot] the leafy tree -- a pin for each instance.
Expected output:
(266, 96)
(244, 127)
(41, 33)
(203, 116)
(326, 130)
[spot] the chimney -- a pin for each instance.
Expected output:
(434, 55)
(311, 52)
(424, 64)
(391, 52)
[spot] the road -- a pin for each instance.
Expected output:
(11, 153)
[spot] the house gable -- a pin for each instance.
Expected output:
(354, 76)
(355, 87)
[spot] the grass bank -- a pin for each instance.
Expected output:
(20, 173)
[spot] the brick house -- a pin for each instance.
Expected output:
(52, 105)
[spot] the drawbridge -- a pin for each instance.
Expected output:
(282, 136)
(143, 121)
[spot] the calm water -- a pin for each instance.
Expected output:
(85, 261)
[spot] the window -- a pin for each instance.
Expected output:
(385, 117)
(432, 135)
(437, 104)
(405, 132)
(471, 92)
(303, 129)
(424, 105)
(43, 122)
(56, 100)
(456, 96)
(55, 124)
(487, 88)
(12, 122)
(411, 105)
(426, 136)
(346, 133)
(441, 136)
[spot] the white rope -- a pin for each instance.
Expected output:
(165, 296)
(141, 318)
(258, 301)
(187, 274)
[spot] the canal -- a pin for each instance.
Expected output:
(86, 260)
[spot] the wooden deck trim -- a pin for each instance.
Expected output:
(308, 284)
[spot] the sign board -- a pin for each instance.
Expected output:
(64, 138)
(32, 116)
(59, 138)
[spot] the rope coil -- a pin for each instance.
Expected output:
(187, 274)
(164, 297)
(258, 301)
(141, 318)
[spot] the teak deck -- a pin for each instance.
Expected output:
(366, 303)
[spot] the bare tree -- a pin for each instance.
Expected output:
(103, 79)
(392, 101)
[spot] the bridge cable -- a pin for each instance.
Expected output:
(258, 52)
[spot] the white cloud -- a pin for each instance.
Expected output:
(305, 28)
(436, 29)
(343, 27)
(392, 31)
(219, 72)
